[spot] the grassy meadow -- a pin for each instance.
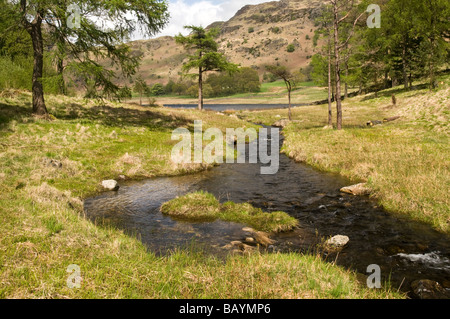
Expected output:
(48, 167)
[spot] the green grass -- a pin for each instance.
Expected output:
(44, 229)
(204, 206)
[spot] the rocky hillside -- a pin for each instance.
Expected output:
(257, 35)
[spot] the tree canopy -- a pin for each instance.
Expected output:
(100, 31)
(203, 56)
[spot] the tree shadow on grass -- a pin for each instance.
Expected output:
(398, 90)
(13, 112)
(104, 115)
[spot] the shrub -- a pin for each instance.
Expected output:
(290, 48)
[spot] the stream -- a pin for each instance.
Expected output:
(405, 250)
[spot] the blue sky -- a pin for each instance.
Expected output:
(201, 12)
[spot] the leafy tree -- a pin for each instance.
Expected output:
(243, 81)
(322, 64)
(140, 86)
(290, 80)
(87, 42)
(157, 89)
(204, 57)
(341, 10)
(434, 27)
(169, 87)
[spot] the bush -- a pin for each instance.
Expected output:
(157, 89)
(275, 30)
(290, 48)
(251, 30)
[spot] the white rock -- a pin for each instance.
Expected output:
(338, 241)
(111, 185)
(358, 189)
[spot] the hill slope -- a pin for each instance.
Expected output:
(255, 36)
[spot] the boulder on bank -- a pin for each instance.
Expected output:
(259, 237)
(111, 185)
(281, 123)
(358, 189)
(337, 242)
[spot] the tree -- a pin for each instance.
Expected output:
(86, 41)
(205, 57)
(140, 86)
(320, 72)
(157, 89)
(434, 25)
(290, 80)
(338, 18)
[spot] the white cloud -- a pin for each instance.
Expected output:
(201, 13)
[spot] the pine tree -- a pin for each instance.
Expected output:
(204, 57)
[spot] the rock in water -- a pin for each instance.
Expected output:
(428, 289)
(259, 236)
(111, 185)
(338, 241)
(358, 189)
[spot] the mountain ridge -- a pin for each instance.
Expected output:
(255, 36)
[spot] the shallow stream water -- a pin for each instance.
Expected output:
(405, 250)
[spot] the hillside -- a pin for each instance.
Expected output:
(255, 36)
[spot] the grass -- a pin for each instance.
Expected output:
(44, 230)
(204, 206)
(271, 93)
(405, 162)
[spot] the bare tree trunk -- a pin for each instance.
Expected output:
(337, 68)
(330, 113)
(200, 89)
(289, 97)
(346, 74)
(431, 65)
(35, 30)
(405, 74)
(60, 71)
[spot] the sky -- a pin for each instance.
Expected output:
(201, 13)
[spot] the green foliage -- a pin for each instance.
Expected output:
(319, 72)
(251, 30)
(76, 51)
(275, 30)
(157, 89)
(290, 48)
(14, 75)
(205, 56)
(244, 81)
(269, 77)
